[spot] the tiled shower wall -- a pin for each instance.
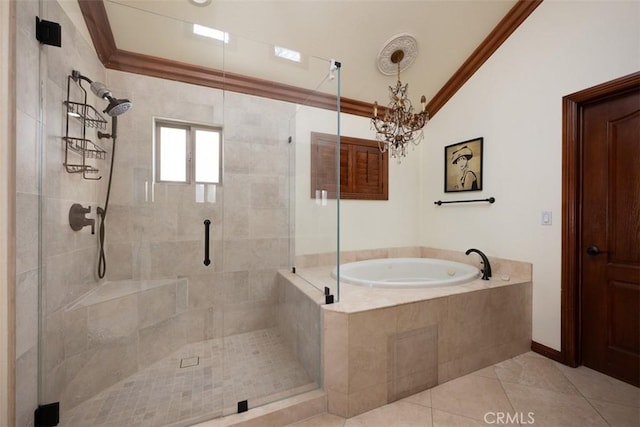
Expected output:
(157, 232)
(153, 232)
(161, 235)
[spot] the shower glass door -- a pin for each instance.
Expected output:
(207, 203)
(271, 352)
(315, 201)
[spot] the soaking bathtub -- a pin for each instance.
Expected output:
(398, 327)
(406, 273)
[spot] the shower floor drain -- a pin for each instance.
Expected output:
(188, 362)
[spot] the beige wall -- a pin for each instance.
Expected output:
(515, 102)
(7, 197)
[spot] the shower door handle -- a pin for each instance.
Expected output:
(207, 223)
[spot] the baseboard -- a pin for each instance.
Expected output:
(549, 352)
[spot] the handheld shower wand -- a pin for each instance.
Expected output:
(115, 108)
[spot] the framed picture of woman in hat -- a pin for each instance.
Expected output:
(463, 166)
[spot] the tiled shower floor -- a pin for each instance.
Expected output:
(258, 367)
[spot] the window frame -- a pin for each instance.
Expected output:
(190, 128)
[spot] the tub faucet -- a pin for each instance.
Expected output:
(486, 271)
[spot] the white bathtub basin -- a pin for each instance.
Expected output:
(406, 273)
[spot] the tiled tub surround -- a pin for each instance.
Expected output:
(299, 317)
(381, 345)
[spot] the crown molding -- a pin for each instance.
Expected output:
(95, 16)
(512, 20)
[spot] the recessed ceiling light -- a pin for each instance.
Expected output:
(200, 2)
(289, 54)
(212, 33)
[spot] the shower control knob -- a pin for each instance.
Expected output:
(78, 220)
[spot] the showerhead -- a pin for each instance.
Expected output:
(116, 106)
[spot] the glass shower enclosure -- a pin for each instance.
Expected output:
(184, 325)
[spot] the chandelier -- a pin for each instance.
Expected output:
(399, 126)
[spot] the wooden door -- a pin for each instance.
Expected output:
(609, 237)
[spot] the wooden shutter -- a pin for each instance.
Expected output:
(364, 171)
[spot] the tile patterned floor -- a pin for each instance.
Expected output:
(526, 390)
(257, 365)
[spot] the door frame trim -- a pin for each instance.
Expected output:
(571, 208)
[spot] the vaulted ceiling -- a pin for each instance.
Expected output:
(155, 37)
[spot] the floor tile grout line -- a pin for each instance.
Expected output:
(431, 408)
(637, 408)
(606, 377)
(554, 364)
(597, 412)
(569, 379)
(454, 414)
(542, 388)
(582, 394)
(504, 390)
(404, 401)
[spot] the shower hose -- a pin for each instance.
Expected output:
(102, 213)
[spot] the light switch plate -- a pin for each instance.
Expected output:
(546, 218)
